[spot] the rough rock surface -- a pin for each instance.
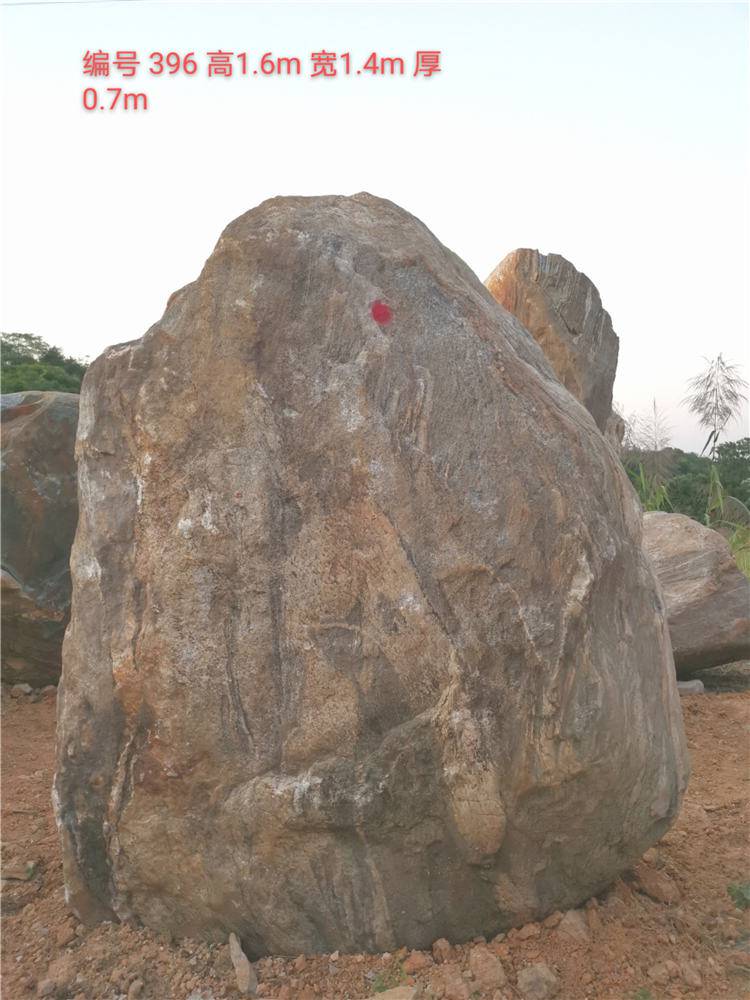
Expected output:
(365, 649)
(707, 597)
(727, 677)
(39, 514)
(614, 430)
(562, 310)
(537, 982)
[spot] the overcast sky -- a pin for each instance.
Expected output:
(613, 134)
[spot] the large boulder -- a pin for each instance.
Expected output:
(365, 650)
(707, 597)
(562, 310)
(39, 514)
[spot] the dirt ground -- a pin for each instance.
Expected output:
(668, 929)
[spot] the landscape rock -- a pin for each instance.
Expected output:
(442, 950)
(501, 949)
(451, 984)
(39, 513)
(727, 677)
(562, 310)
(65, 935)
(247, 981)
(415, 962)
(657, 884)
(706, 596)
(529, 931)
(691, 687)
(691, 974)
(574, 926)
(486, 968)
(364, 650)
(537, 982)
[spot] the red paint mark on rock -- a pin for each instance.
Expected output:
(381, 312)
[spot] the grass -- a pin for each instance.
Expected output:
(740, 894)
(388, 979)
(651, 492)
(739, 542)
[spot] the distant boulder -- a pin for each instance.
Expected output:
(39, 514)
(707, 597)
(562, 310)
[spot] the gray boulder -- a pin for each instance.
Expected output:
(39, 514)
(706, 595)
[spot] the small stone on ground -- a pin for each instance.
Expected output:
(537, 982)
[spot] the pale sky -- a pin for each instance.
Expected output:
(614, 134)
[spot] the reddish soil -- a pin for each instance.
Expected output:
(693, 943)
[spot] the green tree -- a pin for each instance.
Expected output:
(733, 464)
(689, 485)
(28, 362)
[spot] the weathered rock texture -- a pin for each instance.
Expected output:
(707, 597)
(614, 430)
(562, 310)
(365, 649)
(39, 514)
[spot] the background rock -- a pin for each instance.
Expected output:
(365, 650)
(614, 430)
(691, 687)
(562, 310)
(707, 597)
(39, 513)
(727, 677)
